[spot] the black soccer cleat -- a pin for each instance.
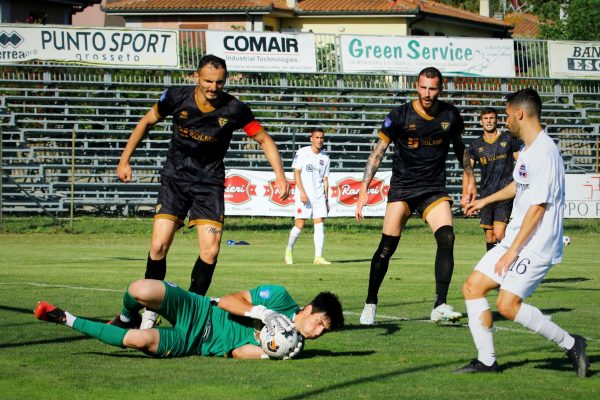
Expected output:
(47, 312)
(477, 366)
(134, 322)
(578, 358)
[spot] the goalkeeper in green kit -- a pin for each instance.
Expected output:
(203, 326)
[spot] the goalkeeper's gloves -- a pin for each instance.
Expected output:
(274, 321)
(297, 349)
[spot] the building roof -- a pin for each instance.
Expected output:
(525, 25)
(149, 6)
(306, 7)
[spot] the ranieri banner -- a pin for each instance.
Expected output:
(254, 193)
(409, 55)
(263, 51)
(105, 46)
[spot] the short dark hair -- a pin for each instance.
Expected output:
(316, 129)
(328, 303)
(213, 60)
(527, 98)
(432, 72)
(487, 110)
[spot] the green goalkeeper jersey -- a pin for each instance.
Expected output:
(228, 332)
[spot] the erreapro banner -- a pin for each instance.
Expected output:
(109, 47)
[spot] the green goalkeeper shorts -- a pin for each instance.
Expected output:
(189, 313)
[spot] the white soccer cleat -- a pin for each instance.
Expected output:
(149, 319)
(368, 314)
(321, 261)
(445, 313)
(289, 259)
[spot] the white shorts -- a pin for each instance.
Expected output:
(522, 278)
(316, 209)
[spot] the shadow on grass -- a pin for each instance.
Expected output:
(560, 364)
(45, 341)
(329, 353)
(552, 364)
(565, 280)
(389, 327)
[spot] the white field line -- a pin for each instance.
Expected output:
(60, 286)
(380, 316)
(495, 328)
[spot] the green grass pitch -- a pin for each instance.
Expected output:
(402, 356)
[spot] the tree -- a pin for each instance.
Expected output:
(580, 22)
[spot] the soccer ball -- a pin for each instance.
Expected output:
(566, 240)
(280, 344)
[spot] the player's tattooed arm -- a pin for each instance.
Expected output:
(469, 192)
(374, 161)
(370, 169)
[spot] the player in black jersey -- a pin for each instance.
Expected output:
(496, 153)
(193, 176)
(421, 131)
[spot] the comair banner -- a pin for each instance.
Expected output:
(109, 47)
(263, 51)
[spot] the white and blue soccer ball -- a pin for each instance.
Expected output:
(280, 344)
(566, 240)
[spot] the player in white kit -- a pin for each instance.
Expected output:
(533, 242)
(311, 173)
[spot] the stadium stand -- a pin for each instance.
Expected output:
(42, 109)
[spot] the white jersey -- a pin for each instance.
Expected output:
(540, 178)
(314, 168)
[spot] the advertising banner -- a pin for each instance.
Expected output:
(253, 193)
(264, 51)
(409, 55)
(574, 59)
(99, 46)
(582, 197)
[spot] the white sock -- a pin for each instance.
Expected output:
(294, 233)
(532, 318)
(319, 237)
(70, 319)
(482, 336)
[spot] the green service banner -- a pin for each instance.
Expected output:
(410, 54)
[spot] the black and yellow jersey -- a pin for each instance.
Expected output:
(495, 160)
(201, 137)
(421, 144)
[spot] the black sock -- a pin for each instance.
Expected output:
(201, 276)
(489, 246)
(444, 263)
(156, 269)
(379, 265)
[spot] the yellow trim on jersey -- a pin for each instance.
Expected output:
(157, 114)
(170, 217)
(384, 137)
(195, 222)
(422, 114)
(493, 140)
(486, 226)
(434, 204)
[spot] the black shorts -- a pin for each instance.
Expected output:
(422, 202)
(204, 203)
(495, 212)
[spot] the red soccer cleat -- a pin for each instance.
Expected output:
(47, 312)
